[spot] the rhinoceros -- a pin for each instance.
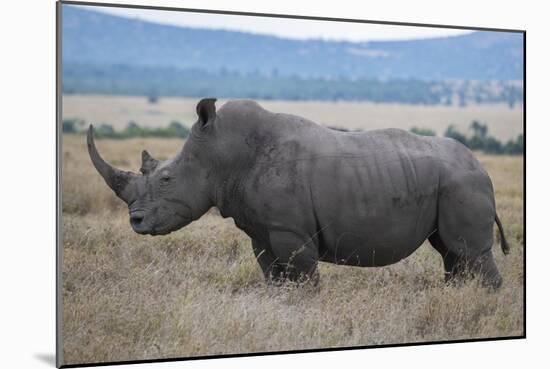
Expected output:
(304, 193)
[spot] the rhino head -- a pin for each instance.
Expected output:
(166, 195)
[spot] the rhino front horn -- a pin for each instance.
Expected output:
(115, 178)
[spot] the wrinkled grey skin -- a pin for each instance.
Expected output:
(305, 193)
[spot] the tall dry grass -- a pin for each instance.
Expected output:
(199, 291)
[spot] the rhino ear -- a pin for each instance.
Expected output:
(206, 110)
(148, 163)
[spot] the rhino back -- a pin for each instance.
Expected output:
(364, 198)
(378, 201)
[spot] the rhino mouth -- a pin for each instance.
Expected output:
(160, 231)
(178, 222)
(142, 227)
(152, 223)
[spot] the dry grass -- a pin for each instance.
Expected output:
(199, 291)
(504, 123)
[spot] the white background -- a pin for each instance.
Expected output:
(27, 192)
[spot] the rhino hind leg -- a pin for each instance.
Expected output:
(465, 231)
(451, 261)
(458, 268)
(486, 267)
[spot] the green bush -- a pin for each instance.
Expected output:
(71, 125)
(514, 147)
(451, 132)
(132, 130)
(105, 130)
(178, 129)
(492, 146)
(482, 141)
(423, 131)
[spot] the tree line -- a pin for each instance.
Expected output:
(164, 81)
(480, 140)
(174, 130)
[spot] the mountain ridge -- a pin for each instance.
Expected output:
(94, 38)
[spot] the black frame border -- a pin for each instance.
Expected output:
(287, 16)
(58, 119)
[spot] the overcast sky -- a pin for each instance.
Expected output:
(288, 28)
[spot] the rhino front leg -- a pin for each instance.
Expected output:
(271, 270)
(297, 256)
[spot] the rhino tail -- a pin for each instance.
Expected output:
(503, 243)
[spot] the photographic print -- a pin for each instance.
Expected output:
(236, 184)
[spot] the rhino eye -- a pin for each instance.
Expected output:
(165, 179)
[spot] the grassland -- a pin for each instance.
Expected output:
(199, 291)
(504, 123)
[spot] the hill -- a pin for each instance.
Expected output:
(109, 54)
(97, 38)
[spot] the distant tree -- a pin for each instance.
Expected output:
(479, 129)
(476, 143)
(512, 95)
(279, 83)
(514, 147)
(511, 102)
(462, 99)
(178, 129)
(492, 146)
(133, 130)
(479, 140)
(423, 131)
(106, 130)
(451, 132)
(69, 126)
(72, 125)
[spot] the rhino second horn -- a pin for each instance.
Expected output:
(115, 178)
(148, 163)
